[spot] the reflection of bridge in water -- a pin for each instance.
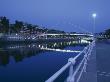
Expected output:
(20, 50)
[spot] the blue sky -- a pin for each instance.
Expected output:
(67, 15)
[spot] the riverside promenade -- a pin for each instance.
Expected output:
(91, 70)
(98, 67)
(103, 61)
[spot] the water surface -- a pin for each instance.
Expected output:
(28, 63)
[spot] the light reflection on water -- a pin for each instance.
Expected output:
(28, 63)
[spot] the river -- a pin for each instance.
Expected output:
(29, 63)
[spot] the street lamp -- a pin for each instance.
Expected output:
(94, 17)
(94, 21)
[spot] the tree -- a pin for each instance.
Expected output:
(18, 26)
(107, 32)
(5, 24)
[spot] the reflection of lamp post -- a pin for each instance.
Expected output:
(94, 17)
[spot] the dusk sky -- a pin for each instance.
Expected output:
(67, 15)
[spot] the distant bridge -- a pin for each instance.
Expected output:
(36, 37)
(67, 34)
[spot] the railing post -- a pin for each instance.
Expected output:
(85, 63)
(90, 50)
(71, 70)
(70, 73)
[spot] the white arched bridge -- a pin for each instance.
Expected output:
(40, 37)
(77, 34)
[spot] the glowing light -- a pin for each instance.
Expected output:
(94, 15)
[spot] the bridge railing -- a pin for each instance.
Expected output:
(73, 71)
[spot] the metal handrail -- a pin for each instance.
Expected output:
(85, 62)
(71, 61)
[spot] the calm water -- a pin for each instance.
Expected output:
(28, 63)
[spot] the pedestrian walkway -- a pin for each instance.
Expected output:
(91, 74)
(103, 61)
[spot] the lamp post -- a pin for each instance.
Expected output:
(94, 21)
